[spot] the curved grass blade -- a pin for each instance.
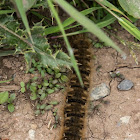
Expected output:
(66, 41)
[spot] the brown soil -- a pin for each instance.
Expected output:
(104, 119)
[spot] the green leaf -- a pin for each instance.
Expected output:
(54, 103)
(42, 73)
(37, 112)
(33, 96)
(3, 97)
(38, 106)
(33, 88)
(42, 97)
(56, 70)
(57, 85)
(39, 86)
(43, 106)
(48, 107)
(11, 108)
(132, 7)
(50, 85)
(57, 75)
(42, 112)
(45, 83)
(49, 91)
(40, 91)
(62, 56)
(23, 89)
(50, 60)
(12, 98)
(31, 70)
(64, 78)
(54, 81)
(34, 84)
(49, 70)
(22, 84)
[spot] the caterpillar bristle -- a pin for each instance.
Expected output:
(74, 112)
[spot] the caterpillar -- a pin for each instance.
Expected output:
(76, 100)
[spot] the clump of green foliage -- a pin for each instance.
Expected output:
(48, 81)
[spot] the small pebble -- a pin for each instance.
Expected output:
(21, 68)
(125, 85)
(31, 134)
(125, 119)
(100, 91)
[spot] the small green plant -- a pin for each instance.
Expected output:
(10, 100)
(56, 117)
(22, 84)
(5, 98)
(41, 108)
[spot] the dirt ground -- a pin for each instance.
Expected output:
(105, 120)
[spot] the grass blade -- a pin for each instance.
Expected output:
(6, 11)
(101, 24)
(66, 41)
(22, 12)
(111, 6)
(68, 21)
(6, 53)
(132, 29)
(88, 24)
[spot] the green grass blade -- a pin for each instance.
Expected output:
(111, 6)
(6, 53)
(107, 21)
(88, 24)
(39, 15)
(132, 29)
(84, 12)
(68, 21)
(22, 12)
(6, 11)
(66, 41)
(6, 81)
(101, 24)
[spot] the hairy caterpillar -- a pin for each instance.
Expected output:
(74, 111)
